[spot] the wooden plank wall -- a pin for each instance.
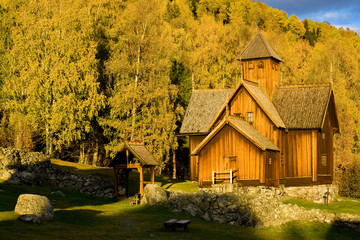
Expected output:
(325, 146)
(267, 77)
(193, 142)
(228, 142)
(298, 153)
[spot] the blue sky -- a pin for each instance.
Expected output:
(339, 13)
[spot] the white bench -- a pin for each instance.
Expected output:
(223, 175)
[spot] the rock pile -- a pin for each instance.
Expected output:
(19, 167)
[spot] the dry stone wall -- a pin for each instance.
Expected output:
(19, 167)
(318, 193)
(251, 209)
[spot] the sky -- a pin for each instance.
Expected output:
(339, 13)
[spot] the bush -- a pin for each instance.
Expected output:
(349, 180)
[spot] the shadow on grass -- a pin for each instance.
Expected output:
(11, 192)
(313, 230)
(79, 216)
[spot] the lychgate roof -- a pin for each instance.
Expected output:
(139, 151)
(202, 109)
(302, 106)
(258, 48)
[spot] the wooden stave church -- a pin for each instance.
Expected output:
(269, 134)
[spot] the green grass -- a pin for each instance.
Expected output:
(108, 174)
(341, 205)
(79, 216)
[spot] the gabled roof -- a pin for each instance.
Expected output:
(139, 151)
(265, 103)
(258, 48)
(260, 97)
(303, 106)
(202, 108)
(245, 129)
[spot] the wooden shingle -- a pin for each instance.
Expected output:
(203, 107)
(258, 48)
(302, 106)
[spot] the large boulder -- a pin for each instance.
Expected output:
(34, 204)
(154, 195)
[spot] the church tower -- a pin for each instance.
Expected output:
(261, 64)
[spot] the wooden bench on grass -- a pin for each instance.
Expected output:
(223, 175)
(135, 201)
(176, 225)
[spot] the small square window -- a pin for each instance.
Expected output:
(261, 64)
(250, 117)
(323, 136)
(270, 161)
(324, 160)
(251, 66)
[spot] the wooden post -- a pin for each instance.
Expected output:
(116, 183)
(314, 155)
(152, 175)
(127, 156)
(127, 183)
(213, 177)
(140, 169)
(231, 174)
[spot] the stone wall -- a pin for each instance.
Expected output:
(310, 193)
(248, 209)
(19, 167)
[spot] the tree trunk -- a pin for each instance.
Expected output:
(174, 164)
(82, 158)
(133, 112)
(96, 153)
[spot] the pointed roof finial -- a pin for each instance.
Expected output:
(258, 47)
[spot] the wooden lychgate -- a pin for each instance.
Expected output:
(132, 155)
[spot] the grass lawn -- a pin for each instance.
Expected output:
(341, 205)
(79, 216)
(108, 174)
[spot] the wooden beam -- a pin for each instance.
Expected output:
(314, 156)
(127, 184)
(128, 166)
(141, 171)
(152, 175)
(127, 156)
(116, 193)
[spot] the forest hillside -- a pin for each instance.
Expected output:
(78, 77)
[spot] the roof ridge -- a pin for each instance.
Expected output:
(214, 90)
(304, 85)
(265, 43)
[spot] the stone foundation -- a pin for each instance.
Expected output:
(317, 193)
(19, 167)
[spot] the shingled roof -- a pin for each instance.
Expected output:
(302, 106)
(245, 129)
(258, 48)
(139, 151)
(202, 109)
